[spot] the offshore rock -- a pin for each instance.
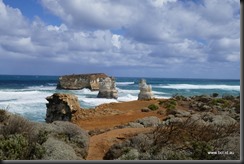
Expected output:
(61, 107)
(80, 81)
(107, 88)
(145, 91)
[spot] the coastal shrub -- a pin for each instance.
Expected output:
(228, 97)
(216, 101)
(19, 141)
(178, 97)
(186, 141)
(161, 102)
(20, 147)
(194, 138)
(17, 125)
(153, 107)
(170, 111)
(215, 95)
(237, 107)
(169, 104)
(3, 115)
(13, 147)
(201, 149)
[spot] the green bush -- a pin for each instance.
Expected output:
(169, 104)
(153, 107)
(200, 150)
(171, 110)
(19, 147)
(196, 139)
(3, 115)
(18, 141)
(178, 97)
(215, 95)
(13, 147)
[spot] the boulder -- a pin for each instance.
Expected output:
(61, 107)
(80, 81)
(107, 88)
(145, 91)
(151, 121)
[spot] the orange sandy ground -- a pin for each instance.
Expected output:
(107, 116)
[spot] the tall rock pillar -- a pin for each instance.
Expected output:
(145, 91)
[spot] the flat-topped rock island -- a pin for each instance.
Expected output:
(80, 81)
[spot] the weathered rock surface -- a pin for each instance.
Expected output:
(149, 121)
(145, 91)
(61, 107)
(80, 81)
(107, 88)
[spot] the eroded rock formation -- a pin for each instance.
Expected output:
(107, 88)
(61, 107)
(80, 81)
(145, 91)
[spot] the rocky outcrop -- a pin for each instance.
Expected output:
(80, 81)
(107, 88)
(145, 91)
(61, 107)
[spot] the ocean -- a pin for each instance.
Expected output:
(25, 95)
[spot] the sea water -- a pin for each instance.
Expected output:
(26, 95)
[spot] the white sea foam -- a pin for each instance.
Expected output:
(158, 93)
(127, 97)
(87, 92)
(41, 87)
(162, 97)
(27, 97)
(125, 83)
(52, 84)
(97, 101)
(191, 86)
(124, 91)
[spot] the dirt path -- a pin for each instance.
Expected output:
(107, 116)
(100, 144)
(114, 114)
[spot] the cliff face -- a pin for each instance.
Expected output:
(61, 107)
(80, 81)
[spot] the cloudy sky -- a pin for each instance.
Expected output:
(135, 38)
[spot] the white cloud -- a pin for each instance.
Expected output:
(160, 3)
(152, 34)
(116, 41)
(91, 14)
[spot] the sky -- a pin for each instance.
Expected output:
(122, 38)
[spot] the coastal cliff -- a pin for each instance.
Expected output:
(80, 81)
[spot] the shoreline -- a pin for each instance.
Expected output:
(111, 125)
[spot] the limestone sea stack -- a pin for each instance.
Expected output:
(107, 88)
(61, 107)
(145, 91)
(80, 81)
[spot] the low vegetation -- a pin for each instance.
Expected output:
(184, 141)
(18, 141)
(168, 104)
(153, 107)
(204, 127)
